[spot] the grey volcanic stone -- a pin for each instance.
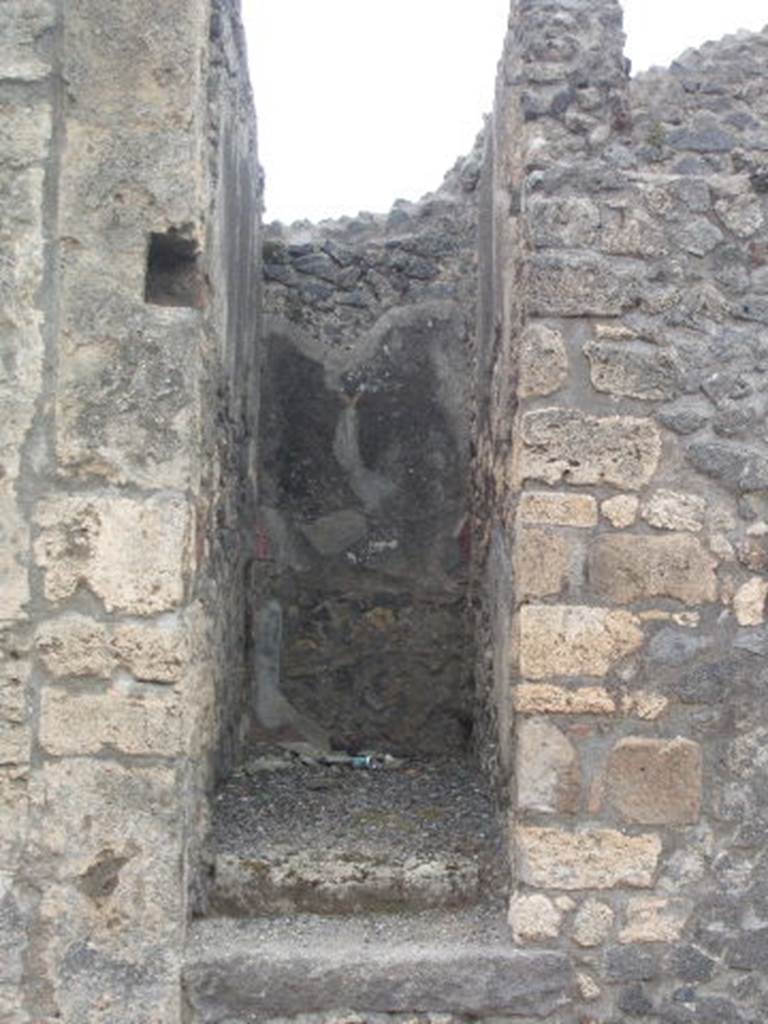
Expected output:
(706, 684)
(690, 964)
(629, 963)
(737, 468)
(673, 646)
(684, 417)
(749, 951)
(634, 1002)
(753, 640)
(280, 977)
(706, 140)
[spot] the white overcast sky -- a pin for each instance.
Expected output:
(361, 102)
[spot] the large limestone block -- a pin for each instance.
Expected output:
(130, 553)
(113, 720)
(574, 640)
(75, 645)
(548, 778)
(108, 841)
(121, 875)
(570, 446)
(655, 782)
(626, 568)
(552, 858)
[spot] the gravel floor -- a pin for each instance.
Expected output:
(417, 808)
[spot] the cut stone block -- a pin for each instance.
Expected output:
(307, 883)
(655, 782)
(570, 446)
(573, 640)
(552, 858)
(626, 568)
(295, 966)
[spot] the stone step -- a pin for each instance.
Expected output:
(239, 972)
(295, 882)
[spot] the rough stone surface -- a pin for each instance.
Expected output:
(654, 919)
(625, 569)
(548, 778)
(749, 602)
(544, 562)
(552, 508)
(271, 975)
(568, 640)
(668, 510)
(593, 923)
(80, 546)
(633, 370)
(581, 309)
(565, 445)
(589, 859)
(534, 919)
(543, 698)
(655, 782)
(620, 511)
(543, 362)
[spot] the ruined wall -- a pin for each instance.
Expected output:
(365, 465)
(129, 293)
(624, 319)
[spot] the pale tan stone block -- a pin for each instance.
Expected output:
(620, 511)
(564, 444)
(654, 919)
(548, 777)
(573, 640)
(113, 840)
(545, 698)
(543, 361)
(655, 782)
(533, 918)
(157, 652)
(644, 705)
(749, 602)
(558, 508)
(624, 568)
(593, 923)
(89, 723)
(542, 562)
(74, 645)
(669, 510)
(132, 554)
(551, 858)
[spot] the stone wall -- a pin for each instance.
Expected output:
(129, 295)
(617, 553)
(365, 465)
(623, 509)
